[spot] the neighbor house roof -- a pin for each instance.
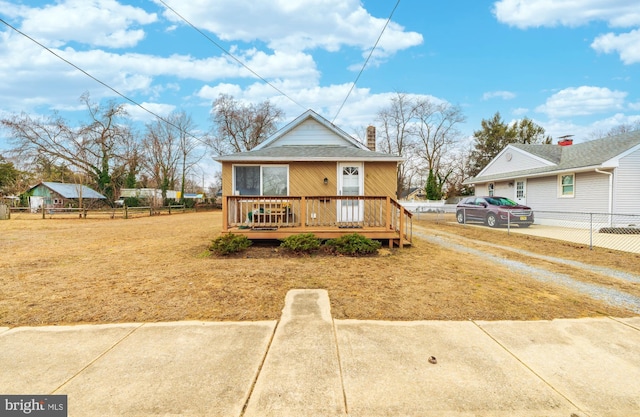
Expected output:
(600, 153)
(71, 190)
(348, 149)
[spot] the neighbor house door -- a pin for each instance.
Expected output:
(521, 192)
(350, 183)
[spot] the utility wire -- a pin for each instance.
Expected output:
(230, 54)
(365, 62)
(101, 82)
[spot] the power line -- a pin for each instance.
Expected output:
(365, 62)
(100, 81)
(230, 54)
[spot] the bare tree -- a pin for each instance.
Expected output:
(436, 129)
(616, 130)
(238, 127)
(161, 144)
(96, 150)
(397, 135)
(187, 146)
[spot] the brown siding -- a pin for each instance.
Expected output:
(380, 178)
(307, 178)
(227, 176)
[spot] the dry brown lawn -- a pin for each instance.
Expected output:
(64, 271)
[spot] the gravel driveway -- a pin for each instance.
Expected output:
(613, 297)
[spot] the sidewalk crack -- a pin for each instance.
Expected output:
(259, 371)
(72, 377)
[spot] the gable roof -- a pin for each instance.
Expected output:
(71, 190)
(600, 153)
(276, 147)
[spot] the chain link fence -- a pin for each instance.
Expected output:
(606, 230)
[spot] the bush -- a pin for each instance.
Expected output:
(132, 202)
(229, 243)
(302, 243)
(353, 245)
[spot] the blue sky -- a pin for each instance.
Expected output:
(572, 67)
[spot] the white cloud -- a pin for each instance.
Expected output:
(104, 23)
(520, 111)
(535, 13)
(525, 14)
(138, 114)
(582, 101)
(295, 25)
(626, 44)
(505, 95)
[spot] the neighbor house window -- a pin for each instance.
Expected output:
(567, 185)
(260, 180)
(491, 189)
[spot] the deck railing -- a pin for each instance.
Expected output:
(348, 212)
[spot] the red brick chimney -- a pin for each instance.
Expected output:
(371, 138)
(565, 140)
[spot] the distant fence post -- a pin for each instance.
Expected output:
(590, 231)
(126, 212)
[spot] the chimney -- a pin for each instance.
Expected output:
(565, 140)
(371, 138)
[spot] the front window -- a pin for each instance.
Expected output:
(567, 184)
(261, 180)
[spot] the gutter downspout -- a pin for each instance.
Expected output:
(610, 174)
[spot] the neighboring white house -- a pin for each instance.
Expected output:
(599, 176)
(154, 195)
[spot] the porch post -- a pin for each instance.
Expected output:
(303, 211)
(389, 225)
(401, 242)
(225, 209)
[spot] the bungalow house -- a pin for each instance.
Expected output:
(51, 195)
(312, 177)
(414, 193)
(599, 176)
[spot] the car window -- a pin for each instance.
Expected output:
(507, 202)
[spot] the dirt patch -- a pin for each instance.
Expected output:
(159, 269)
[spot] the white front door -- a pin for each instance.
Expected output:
(350, 183)
(521, 192)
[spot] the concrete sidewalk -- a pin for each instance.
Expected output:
(307, 364)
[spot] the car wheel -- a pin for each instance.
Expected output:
(460, 217)
(492, 221)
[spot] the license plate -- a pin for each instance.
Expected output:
(523, 217)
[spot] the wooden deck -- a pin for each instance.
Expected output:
(327, 217)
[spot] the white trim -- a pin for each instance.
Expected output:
(560, 185)
(339, 167)
(536, 175)
(310, 114)
(345, 211)
(615, 161)
(520, 151)
(260, 166)
(244, 158)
